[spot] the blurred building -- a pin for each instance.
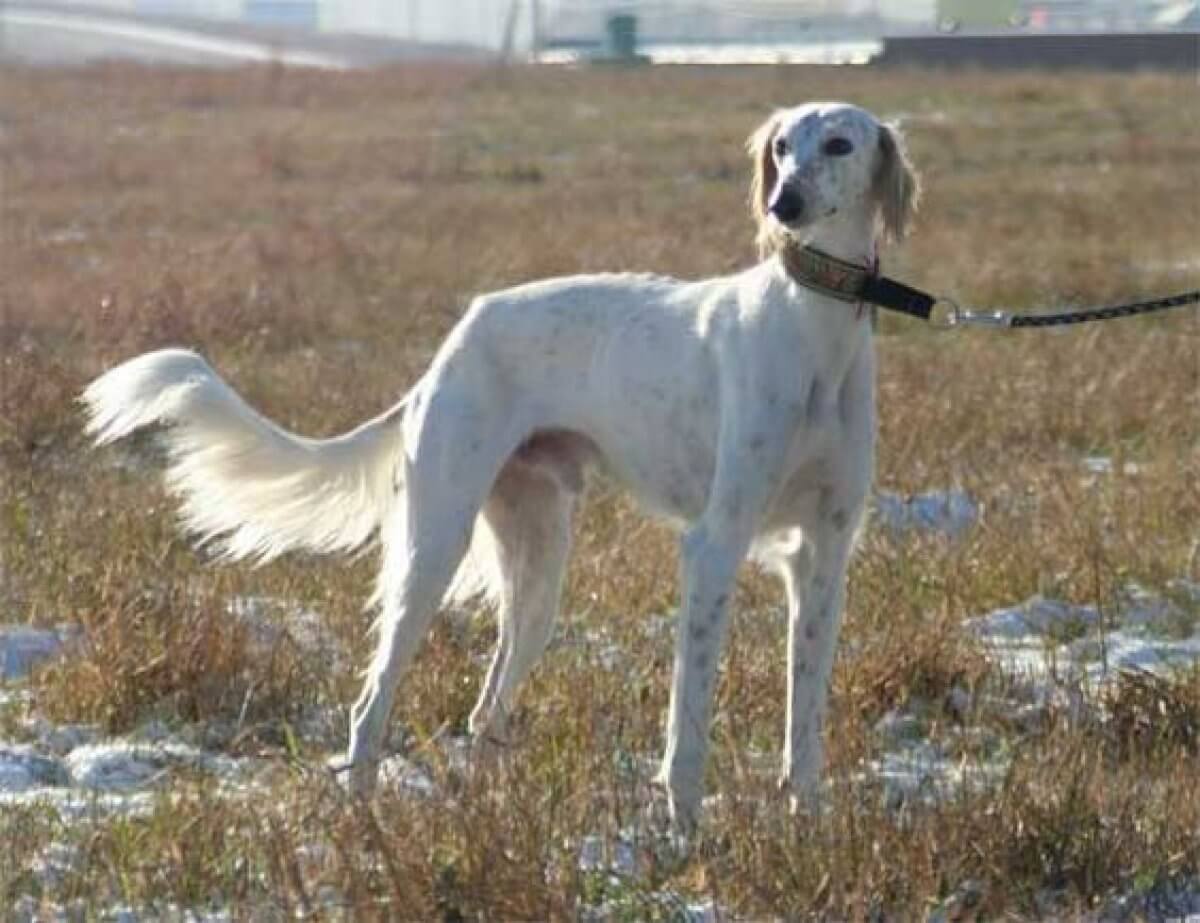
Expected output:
(494, 24)
(519, 26)
(498, 25)
(1058, 15)
(792, 20)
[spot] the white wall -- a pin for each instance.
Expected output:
(473, 22)
(909, 10)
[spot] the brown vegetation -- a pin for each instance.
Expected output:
(315, 235)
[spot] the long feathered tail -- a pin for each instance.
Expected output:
(242, 480)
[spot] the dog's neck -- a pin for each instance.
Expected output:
(845, 236)
(832, 258)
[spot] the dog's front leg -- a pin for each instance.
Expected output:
(815, 578)
(751, 457)
(709, 564)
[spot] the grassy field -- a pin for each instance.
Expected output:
(315, 235)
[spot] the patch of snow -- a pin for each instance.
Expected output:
(14, 697)
(1043, 639)
(917, 767)
(22, 646)
(657, 905)
(71, 234)
(1180, 606)
(1103, 464)
(322, 724)
(636, 766)
(22, 768)
(659, 624)
(112, 767)
(1035, 618)
(897, 726)
(597, 854)
(704, 912)
(152, 731)
(1171, 902)
(121, 765)
(54, 863)
(946, 512)
(959, 904)
(597, 645)
(1022, 639)
(457, 750)
(27, 909)
(1026, 717)
(920, 770)
(73, 805)
(61, 738)
(397, 772)
(1121, 650)
(270, 620)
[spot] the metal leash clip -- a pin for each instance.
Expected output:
(947, 315)
(985, 318)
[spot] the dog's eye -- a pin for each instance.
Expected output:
(838, 147)
(781, 147)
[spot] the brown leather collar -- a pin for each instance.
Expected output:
(826, 274)
(852, 283)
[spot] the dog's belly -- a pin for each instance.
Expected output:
(676, 490)
(659, 429)
(672, 484)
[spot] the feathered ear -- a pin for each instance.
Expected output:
(763, 176)
(897, 188)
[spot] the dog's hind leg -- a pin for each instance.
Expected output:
(426, 539)
(529, 513)
(422, 570)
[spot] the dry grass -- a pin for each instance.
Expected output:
(316, 235)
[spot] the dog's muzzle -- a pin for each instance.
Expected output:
(787, 205)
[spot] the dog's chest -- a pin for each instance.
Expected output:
(834, 400)
(819, 426)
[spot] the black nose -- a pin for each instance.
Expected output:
(787, 205)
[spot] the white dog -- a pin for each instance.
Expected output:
(740, 408)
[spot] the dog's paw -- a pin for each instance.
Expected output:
(806, 798)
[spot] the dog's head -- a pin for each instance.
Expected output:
(822, 160)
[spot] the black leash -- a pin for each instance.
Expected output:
(957, 317)
(853, 283)
(944, 313)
